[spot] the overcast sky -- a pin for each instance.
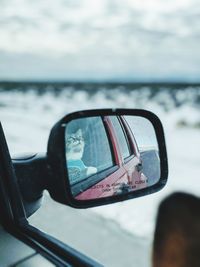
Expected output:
(132, 40)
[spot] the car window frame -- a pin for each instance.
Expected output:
(131, 154)
(131, 137)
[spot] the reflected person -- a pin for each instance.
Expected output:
(177, 233)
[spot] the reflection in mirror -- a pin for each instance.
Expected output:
(110, 155)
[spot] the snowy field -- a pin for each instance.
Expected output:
(28, 116)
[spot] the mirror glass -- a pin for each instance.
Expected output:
(110, 155)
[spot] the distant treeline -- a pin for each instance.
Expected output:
(56, 86)
(179, 93)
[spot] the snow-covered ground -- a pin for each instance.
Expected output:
(27, 118)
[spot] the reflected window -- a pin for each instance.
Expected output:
(87, 148)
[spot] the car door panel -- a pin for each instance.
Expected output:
(106, 187)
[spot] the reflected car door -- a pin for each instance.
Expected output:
(129, 151)
(138, 178)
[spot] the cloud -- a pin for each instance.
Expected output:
(102, 38)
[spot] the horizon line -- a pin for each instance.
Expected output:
(152, 82)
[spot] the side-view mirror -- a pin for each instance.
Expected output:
(99, 157)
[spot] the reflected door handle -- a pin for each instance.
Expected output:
(139, 167)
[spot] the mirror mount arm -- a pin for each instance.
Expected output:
(33, 173)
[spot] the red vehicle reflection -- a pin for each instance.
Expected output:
(126, 173)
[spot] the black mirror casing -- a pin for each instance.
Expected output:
(59, 186)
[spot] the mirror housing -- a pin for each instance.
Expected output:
(82, 192)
